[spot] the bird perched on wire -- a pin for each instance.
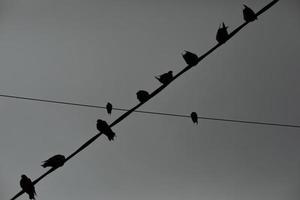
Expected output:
(222, 34)
(142, 95)
(165, 78)
(190, 58)
(249, 14)
(109, 108)
(104, 128)
(27, 186)
(55, 161)
(194, 117)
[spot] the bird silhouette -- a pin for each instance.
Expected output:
(194, 117)
(249, 14)
(104, 128)
(142, 96)
(165, 78)
(27, 186)
(190, 58)
(109, 108)
(222, 34)
(55, 161)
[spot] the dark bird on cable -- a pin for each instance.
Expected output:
(109, 108)
(194, 117)
(165, 78)
(27, 186)
(190, 58)
(222, 34)
(249, 14)
(104, 128)
(55, 161)
(142, 96)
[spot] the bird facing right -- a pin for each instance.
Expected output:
(190, 58)
(165, 78)
(55, 161)
(249, 14)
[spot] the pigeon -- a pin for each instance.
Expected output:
(190, 58)
(104, 128)
(109, 108)
(222, 34)
(142, 96)
(194, 117)
(249, 14)
(165, 78)
(55, 161)
(27, 186)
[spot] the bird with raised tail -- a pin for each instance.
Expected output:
(222, 34)
(190, 58)
(248, 14)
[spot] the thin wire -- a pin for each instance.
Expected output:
(155, 92)
(152, 112)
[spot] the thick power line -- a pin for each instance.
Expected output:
(155, 92)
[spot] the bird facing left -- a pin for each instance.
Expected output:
(27, 186)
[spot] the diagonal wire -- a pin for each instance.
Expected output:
(153, 112)
(155, 92)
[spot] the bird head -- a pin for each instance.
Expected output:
(23, 176)
(170, 72)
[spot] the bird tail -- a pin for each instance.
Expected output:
(111, 136)
(31, 195)
(44, 164)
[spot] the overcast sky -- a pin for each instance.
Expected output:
(94, 51)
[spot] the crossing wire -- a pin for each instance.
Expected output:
(153, 112)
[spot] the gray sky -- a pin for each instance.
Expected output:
(96, 51)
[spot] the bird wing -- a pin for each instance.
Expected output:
(26, 184)
(23, 183)
(50, 159)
